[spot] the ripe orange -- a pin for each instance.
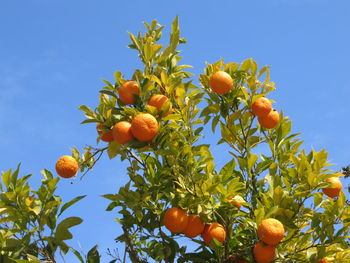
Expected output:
(107, 136)
(127, 91)
(194, 227)
(66, 166)
(144, 127)
(221, 82)
(158, 101)
(264, 253)
(271, 231)
(235, 203)
(322, 260)
(270, 120)
(261, 107)
(175, 219)
(122, 132)
(214, 230)
(333, 191)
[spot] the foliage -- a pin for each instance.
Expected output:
(31, 228)
(267, 167)
(267, 172)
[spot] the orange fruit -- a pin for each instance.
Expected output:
(122, 132)
(261, 107)
(221, 82)
(271, 231)
(175, 219)
(234, 202)
(264, 253)
(194, 227)
(127, 91)
(322, 260)
(158, 101)
(333, 191)
(66, 166)
(214, 230)
(107, 136)
(144, 127)
(270, 120)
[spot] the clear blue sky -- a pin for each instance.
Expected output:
(53, 54)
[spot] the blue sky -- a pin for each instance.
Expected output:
(54, 53)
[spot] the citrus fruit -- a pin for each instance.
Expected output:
(144, 127)
(66, 166)
(122, 132)
(335, 189)
(264, 253)
(127, 91)
(322, 260)
(194, 227)
(107, 136)
(214, 230)
(270, 120)
(221, 82)
(271, 231)
(158, 101)
(175, 219)
(234, 202)
(261, 107)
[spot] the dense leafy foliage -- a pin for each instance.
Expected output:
(267, 167)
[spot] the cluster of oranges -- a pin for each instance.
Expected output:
(177, 221)
(222, 83)
(270, 233)
(267, 117)
(143, 126)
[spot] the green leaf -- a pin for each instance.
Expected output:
(252, 160)
(259, 215)
(108, 83)
(245, 66)
(47, 174)
(135, 42)
(263, 70)
(154, 79)
(93, 256)
(214, 123)
(271, 211)
(14, 176)
(113, 149)
(108, 92)
(62, 232)
(77, 254)
(6, 176)
(318, 197)
(70, 203)
(86, 109)
(89, 121)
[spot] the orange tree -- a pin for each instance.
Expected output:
(265, 204)
(172, 174)
(31, 224)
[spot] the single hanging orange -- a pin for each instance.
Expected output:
(221, 82)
